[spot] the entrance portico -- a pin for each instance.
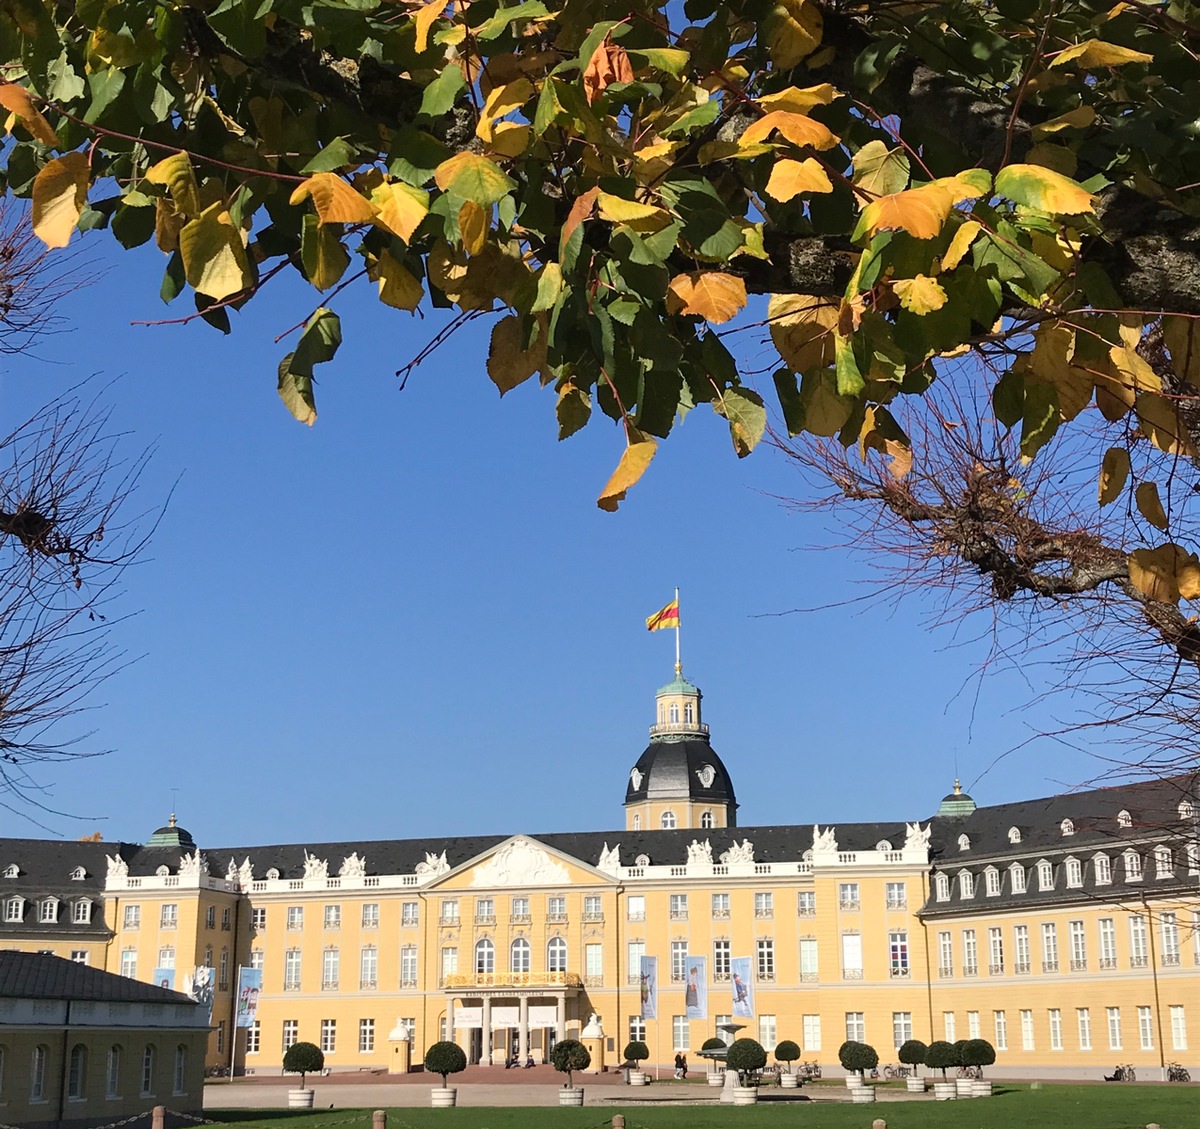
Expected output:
(536, 1006)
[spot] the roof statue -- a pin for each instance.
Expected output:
(739, 852)
(315, 867)
(231, 872)
(700, 854)
(824, 840)
(915, 837)
(193, 865)
(635, 778)
(610, 860)
(117, 866)
(353, 867)
(246, 871)
(593, 1030)
(433, 864)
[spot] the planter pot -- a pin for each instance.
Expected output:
(965, 1087)
(790, 1081)
(945, 1091)
(570, 1095)
(981, 1088)
(853, 1080)
(300, 1099)
(745, 1095)
(915, 1085)
(862, 1095)
(716, 1078)
(637, 1078)
(443, 1098)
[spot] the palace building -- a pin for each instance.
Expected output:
(1065, 930)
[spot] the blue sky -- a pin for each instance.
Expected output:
(412, 619)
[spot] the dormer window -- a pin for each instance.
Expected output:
(48, 911)
(1067, 827)
(1045, 875)
(162, 871)
(706, 819)
(1102, 868)
(14, 909)
(12, 871)
(1074, 874)
(942, 887)
(964, 843)
(1193, 858)
(1133, 866)
(1124, 819)
(966, 884)
(1016, 876)
(991, 880)
(1014, 834)
(78, 874)
(273, 873)
(81, 912)
(667, 822)
(1164, 864)
(1187, 810)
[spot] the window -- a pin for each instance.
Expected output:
(226, 920)
(166, 957)
(1114, 1028)
(856, 1028)
(1169, 925)
(593, 961)
(291, 1033)
(949, 1026)
(112, 1072)
(556, 907)
(1054, 1018)
(848, 895)
(519, 955)
(1137, 941)
(1187, 810)
(972, 1025)
(852, 960)
(942, 887)
(257, 958)
(637, 823)
(764, 905)
(721, 959)
(408, 965)
(679, 961)
(295, 917)
(331, 963)
(1078, 946)
(637, 907)
(667, 822)
(808, 958)
(945, 954)
(991, 882)
(637, 1029)
(1101, 870)
(291, 970)
(970, 953)
(366, 1036)
(79, 956)
(1026, 1030)
(896, 895)
(765, 951)
(1178, 1028)
(806, 903)
(556, 955)
(679, 1032)
(995, 951)
(964, 842)
(333, 917)
(485, 957)
(129, 963)
(1000, 1023)
(210, 918)
(368, 967)
(48, 914)
(179, 1074)
(520, 909)
(1193, 858)
(706, 819)
(148, 1057)
(254, 1038)
(901, 1027)
(592, 910)
(766, 1030)
(77, 1073)
(679, 907)
(1021, 944)
(133, 917)
(1108, 942)
(1045, 873)
(410, 915)
(966, 884)
(1014, 834)
(1074, 874)
(1016, 877)
(1067, 827)
(898, 954)
(37, 1075)
(328, 1035)
(811, 1026)
(1083, 1020)
(720, 905)
(1049, 947)
(223, 970)
(485, 911)
(258, 918)
(449, 911)
(1133, 866)
(1145, 1028)
(1164, 865)
(637, 950)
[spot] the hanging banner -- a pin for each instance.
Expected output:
(200, 985)
(743, 987)
(249, 989)
(164, 978)
(649, 987)
(696, 995)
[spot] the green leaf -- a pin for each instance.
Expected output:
(472, 177)
(174, 279)
(318, 343)
(442, 92)
(747, 417)
(849, 378)
(414, 156)
(336, 155)
(669, 59)
(105, 86)
(1040, 419)
(790, 401)
(1008, 398)
(881, 170)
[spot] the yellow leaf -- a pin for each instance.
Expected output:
(1133, 369)
(334, 199)
(716, 297)
(1182, 338)
(1159, 573)
(423, 18)
(400, 208)
(502, 100)
(960, 244)
(397, 287)
(920, 295)
(641, 217)
(1038, 187)
(1146, 496)
(472, 177)
(176, 173)
(1161, 422)
(167, 225)
(510, 139)
(920, 211)
(1114, 470)
(1079, 118)
(634, 461)
(473, 226)
(214, 259)
(800, 101)
(880, 432)
(789, 178)
(796, 128)
(793, 30)
(802, 329)
(16, 100)
(655, 151)
(1095, 53)
(510, 362)
(59, 194)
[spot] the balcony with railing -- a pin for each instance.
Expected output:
(946, 972)
(852, 904)
(1170, 960)
(852, 973)
(899, 970)
(514, 980)
(970, 970)
(593, 916)
(450, 922)
(1078, 965)
(556, 919)
(676, 727)
(1021, 968)
(1139, 962)
(996, 969)
(485, 919)
(1108, 963)
(1049, 966)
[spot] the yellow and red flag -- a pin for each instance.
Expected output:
(667, 617)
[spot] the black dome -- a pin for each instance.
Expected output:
(680, 770)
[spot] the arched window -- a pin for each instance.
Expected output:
(1014, 834)
(48, 911)
(1067, 827)
(637, 823)
(148, 1057)
(1045, 875)
(112, 1074)
(556, 955)
(179, 1078)
(674, 713)
(1124, 819)
(78, 874)
(1103, 869)
(942, 883)
(14, 909)
(1164, 865)
(688, 712)
(1187, 810)
(964, 843)
(485, 956)
(77, 1073)
(37, 1074)
(1193, 858)
(668, 820)
(81, 912)
(966, 884)
(662, 713)
(518, 955)
(1133, 866)
(706, 819)
(1016, 877)
(1074, 873)
(991, 878)
(12, 871)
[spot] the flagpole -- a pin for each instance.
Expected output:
(678, 663)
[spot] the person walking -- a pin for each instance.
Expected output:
(678, 1065)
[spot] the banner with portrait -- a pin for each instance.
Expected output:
(201, 986)
(696, 993)
(742, 979)
(648, 978)
(249, 989)
(164, 978)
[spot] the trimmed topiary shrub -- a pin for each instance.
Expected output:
(978, 1052)
(445, 1058)
(788, 1052)
(713, 1044)
(302, 1059)
(941, 1055)
(857, 1057)
(569, 1055)
(636, 1051)
(746, 1056)
(913, 1054)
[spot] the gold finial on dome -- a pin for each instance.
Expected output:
(171, 821)
(678, 669)
(957, 787)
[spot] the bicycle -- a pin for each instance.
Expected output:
(970, 1072)
(1177, 1073)
(1124, 1073)
(809, 1071)
(893, 1073)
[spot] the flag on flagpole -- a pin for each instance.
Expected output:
(667, 617)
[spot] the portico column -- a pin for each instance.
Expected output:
(486, 1055)
(450, 1020)
(560, 1016)
(523, 1027)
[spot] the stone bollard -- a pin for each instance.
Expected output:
(879, 1123)
(157, 1116)
(379, 1119)
(618, 1121)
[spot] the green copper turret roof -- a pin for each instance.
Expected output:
(957, 803)
(679, 686)
(172, 836)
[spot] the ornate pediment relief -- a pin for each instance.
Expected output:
(521, 862)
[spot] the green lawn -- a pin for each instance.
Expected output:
(1013, 1107)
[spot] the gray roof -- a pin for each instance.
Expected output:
(675, 770)
(40, 976)
(45, 867)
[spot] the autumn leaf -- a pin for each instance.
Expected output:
(334, 200)
(1160, 421)
(473, 177)
(400, 208)
(59, 194)
(1148, 503)
(880, 432)
(921, 212)
(502, 100)
(16, 100)
(802, 329)
(580, 211)
(318, 343)
(510, 362)
(175, 172)
(397, 286)
(1114, 470)
(609, 63)
(214, 257)
(473, 223)
(1038, 187)
(879, 170)
(423, 18)
(743, 408)
(800, 100)
(573, 410)
(1182, 338)
(1095, 53)
(322, 254)
(1159, 573)
(799, 129)
(715, 296)
(634, 461)
(789, 178)
(920, 295)
(616, 209)
(960, 244)
(793, 30)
